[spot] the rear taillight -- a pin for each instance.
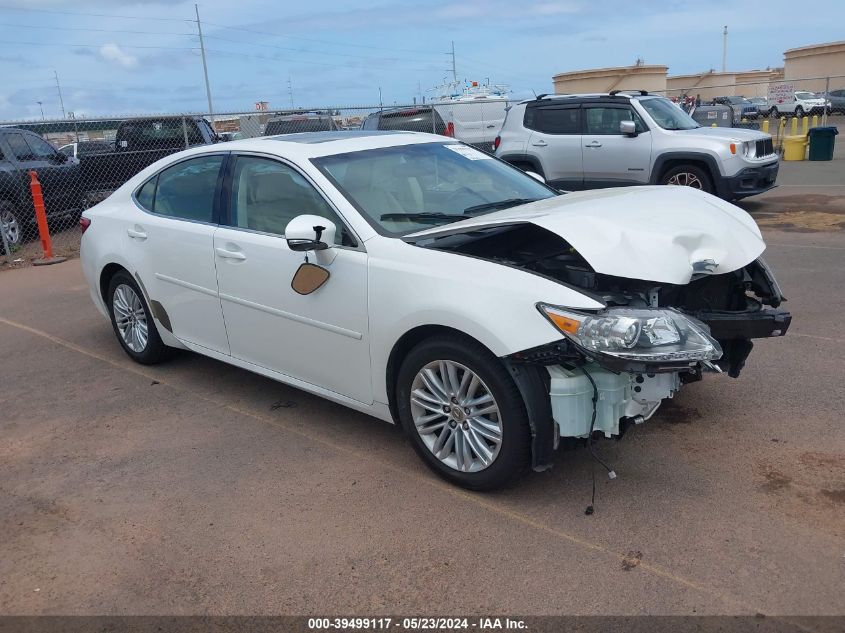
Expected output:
(84, 223)
(450, 130)
(497, 142)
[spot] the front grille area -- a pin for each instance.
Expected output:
(765, 148)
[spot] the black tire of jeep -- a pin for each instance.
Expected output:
(513, 457)
(693, 172)
(155, 350)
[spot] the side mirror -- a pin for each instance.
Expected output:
(310, 233)
(628, 128)
(536, 176)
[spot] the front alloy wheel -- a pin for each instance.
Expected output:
(456, 416)
(463, 412)
(10, 226)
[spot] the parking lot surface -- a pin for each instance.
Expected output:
(196, 487)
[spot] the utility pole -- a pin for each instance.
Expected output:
(454, 71)
(204, 67)
(725, 50)
(42, 109)
(290, 92)
(59, 88)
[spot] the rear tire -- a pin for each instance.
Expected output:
(472, 431)
(132, 321)
(799, 112)
(688, 176)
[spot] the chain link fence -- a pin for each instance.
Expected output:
(79, 162)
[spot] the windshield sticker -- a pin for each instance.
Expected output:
(469, 152)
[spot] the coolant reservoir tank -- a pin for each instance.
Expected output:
(571, 395)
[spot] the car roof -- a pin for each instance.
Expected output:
(305, 145)
(605, 97)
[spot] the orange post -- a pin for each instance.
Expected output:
(41, 219)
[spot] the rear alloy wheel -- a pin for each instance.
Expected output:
(688, 176)
(463, 413)
(132, 322)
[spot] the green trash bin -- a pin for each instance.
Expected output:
(822, 140)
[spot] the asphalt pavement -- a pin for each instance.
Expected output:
(195, 487)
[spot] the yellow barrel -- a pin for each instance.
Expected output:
(794, 147)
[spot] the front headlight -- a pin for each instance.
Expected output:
(643, 334)
(749, 149)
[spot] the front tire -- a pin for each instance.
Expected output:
(11, 225)
(799, 112)
(463, 413)
(773, 113)
(688, 176)
(132, 321)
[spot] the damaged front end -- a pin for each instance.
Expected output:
(613, 367)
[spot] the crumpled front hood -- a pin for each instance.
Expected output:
(660, 233)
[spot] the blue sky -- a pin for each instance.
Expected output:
(133, 57)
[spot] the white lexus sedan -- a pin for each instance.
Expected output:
(426, 283)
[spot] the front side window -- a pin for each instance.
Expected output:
(40, 148)
(267, 194)
(67, 150)
(667, 115)
(20, 149)
(407, 188)
(605, 121)
(186, 190)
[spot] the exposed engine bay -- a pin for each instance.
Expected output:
(590, 390)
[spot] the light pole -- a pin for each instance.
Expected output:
(42, 109)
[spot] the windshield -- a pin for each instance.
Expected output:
(667, 115)
(403, 189)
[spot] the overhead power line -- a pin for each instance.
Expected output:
(98, 46)
(94, 15)
(91, 30)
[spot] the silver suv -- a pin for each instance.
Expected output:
(614, 139)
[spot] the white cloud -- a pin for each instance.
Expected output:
(111, 52)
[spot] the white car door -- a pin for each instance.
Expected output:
(321, 338)
(610, 157)
(170, 238)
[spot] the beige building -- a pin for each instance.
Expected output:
(818, 60)
(748, 83)
(636, 77)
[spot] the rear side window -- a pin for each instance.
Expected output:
(554, 120)
(185, 191)
(146, 194)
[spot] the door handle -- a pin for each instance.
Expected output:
(138, 235)
(226, 254)
(593, 144)
(540, 143)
